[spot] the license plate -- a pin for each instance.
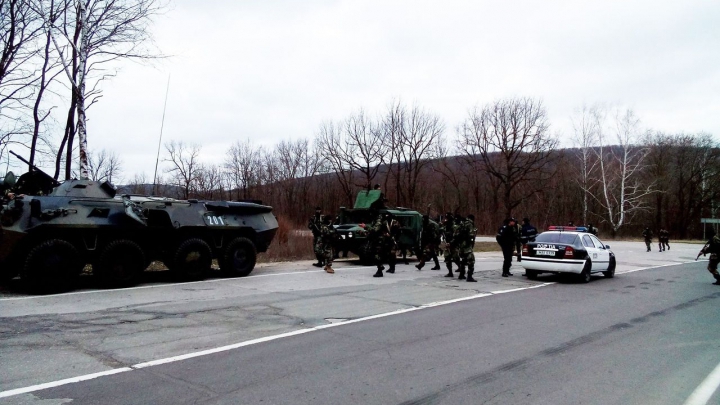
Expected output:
(545, 253)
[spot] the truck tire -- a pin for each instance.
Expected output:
(238, 258)
(120, 264)
(192, 259)
(51, 265)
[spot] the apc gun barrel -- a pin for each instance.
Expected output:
(55, 183)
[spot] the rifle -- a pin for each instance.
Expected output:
(702, 251)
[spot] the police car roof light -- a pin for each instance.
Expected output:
(567, 228)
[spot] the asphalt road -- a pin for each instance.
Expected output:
(299, 336)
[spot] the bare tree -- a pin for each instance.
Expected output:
(423, 132)
(104, 166)
(512, 140)
(184, 166)
(91, 35)
(586, 126)
(335, 150)
(209, 182)
(244, 165)
(623, 190)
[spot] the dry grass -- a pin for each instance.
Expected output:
(288, 244)
(487, 247)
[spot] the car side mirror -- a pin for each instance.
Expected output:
(607, 246)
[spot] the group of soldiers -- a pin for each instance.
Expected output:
(663, 239)
(455, 238)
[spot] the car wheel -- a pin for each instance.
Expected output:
(531, 274)
(121, 263)
(238, 259)
(52, 265)
(192, 259)
(610, 273)
(585, 275)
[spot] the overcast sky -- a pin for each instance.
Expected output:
(274, 70)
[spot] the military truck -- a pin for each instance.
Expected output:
(352, 227)
(48, 238)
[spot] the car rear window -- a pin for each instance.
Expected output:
(557, 237)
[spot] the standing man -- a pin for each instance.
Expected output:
(428, 243)
(449, 251)
(327, 238)
(647, 234)
(465, 238)
(518, 240)
(385, 249)
(664, 240)
(314, 225)
(713, 247)
(527, 234)
(592, 229)
(506, 238)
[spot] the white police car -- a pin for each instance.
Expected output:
(566, 249)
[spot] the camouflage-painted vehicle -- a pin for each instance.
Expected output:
(351, 227)
(49, 237)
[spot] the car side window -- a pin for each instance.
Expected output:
(598, 244)
(587, 242)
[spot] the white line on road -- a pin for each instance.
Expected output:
(173, 359)
(706, 389)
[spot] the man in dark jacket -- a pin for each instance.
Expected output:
(506, 237)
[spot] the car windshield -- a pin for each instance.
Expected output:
(557, 237)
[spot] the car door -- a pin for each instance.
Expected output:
(592, 251)
(603, 260)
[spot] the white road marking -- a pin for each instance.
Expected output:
(173, 359)
(706, 389)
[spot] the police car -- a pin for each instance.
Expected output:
(566, 249)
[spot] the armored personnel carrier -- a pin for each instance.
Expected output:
(352, 224)
(52, 232)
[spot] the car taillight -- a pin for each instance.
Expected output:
(569, 252)
(525, 251)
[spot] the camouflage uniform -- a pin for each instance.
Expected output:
(465, 239)
(713, 247)
(663, 240)
(450, 252)
(429, 243)
(315, 224)
(326, 239)
(383, 244)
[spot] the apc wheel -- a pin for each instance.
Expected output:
(238, 258)
(121, 263)
(51, 265)
(585, 275)
(610, 273)
(531, 274)
(192, 259)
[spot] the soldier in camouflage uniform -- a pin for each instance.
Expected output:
(383, 244)
(314, 225)
(450, 252)
(429, 243)
(327, 239)
(465, 239)
(713, 247)
(647, 234)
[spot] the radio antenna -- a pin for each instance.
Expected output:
(162, 125)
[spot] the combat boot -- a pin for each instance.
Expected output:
(329, 269)
(717, 279)
(392, 269)
(470, 278)
(462, 273)
(378, 273)
(437, 264)
(420, 265)
(450, 272)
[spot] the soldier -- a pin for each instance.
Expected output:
(429, 243)
(518, 241)
(327, 238)
(592, 229)
(506, 239)
(383, 244)
(663, 240)
(647, 234)
(450, 252)
(396, 232)
(465, 238)
(314, 225)
(713, 247)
